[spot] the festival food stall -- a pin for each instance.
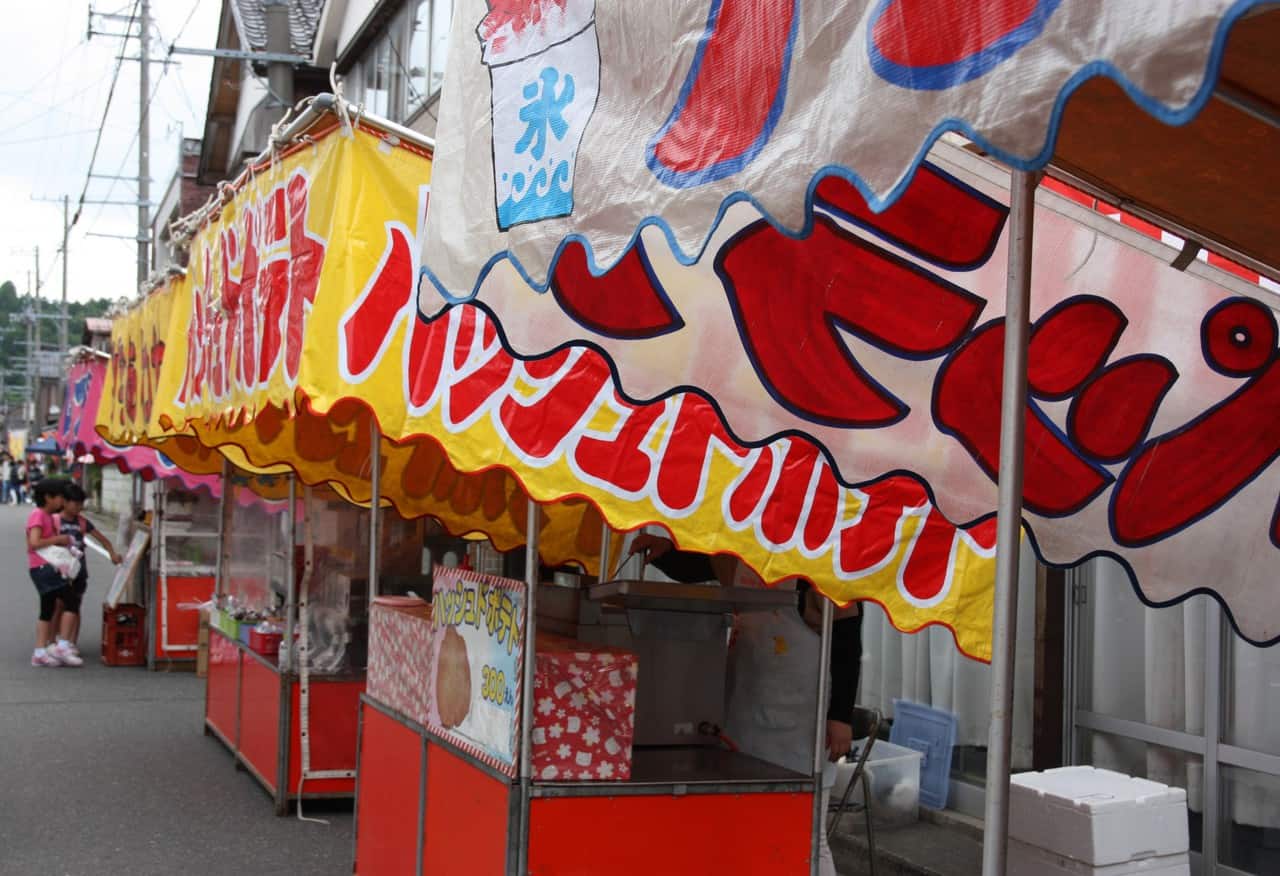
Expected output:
(181, 530)
(634, 200)
(532, 453)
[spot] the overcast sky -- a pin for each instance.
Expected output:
(52, 96)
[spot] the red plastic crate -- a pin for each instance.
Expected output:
(124, 635)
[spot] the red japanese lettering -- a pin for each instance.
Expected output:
(367, 327)
(621, 459)
(937, 217)
(1112, 413)
(1184, 475)
(683, 464)
(625, 302)
(481, 365)
(966, 404)
(835, 282)
(538, 428)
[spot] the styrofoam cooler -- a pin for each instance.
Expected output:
(1025, 860)
(1099, 819)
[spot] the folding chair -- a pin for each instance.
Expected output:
(866, 725)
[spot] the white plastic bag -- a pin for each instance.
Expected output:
(66, 560)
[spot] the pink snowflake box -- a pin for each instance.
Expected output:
(400, 655)
(584, 711)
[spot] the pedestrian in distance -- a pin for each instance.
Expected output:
(21, 468)
(15, 481)
(51, 586)
(73, 523)
(6, 471)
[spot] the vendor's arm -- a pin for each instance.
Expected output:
(686, 567)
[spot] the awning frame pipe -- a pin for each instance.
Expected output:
(1013, 422)
(820, 732)
(532, 530)
(224, 531)
(375, 507)
(291, 579)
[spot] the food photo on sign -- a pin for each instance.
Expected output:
(477, 648)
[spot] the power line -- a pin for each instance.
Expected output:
(115, 78)
(38, 139)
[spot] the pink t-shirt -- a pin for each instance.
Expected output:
(42, 520)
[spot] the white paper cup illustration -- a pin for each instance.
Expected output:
(544, 67)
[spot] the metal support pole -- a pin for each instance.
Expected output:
(605, 535)
(144, 140)
(533, 527)
(375, 507)
(291, 580)
(1013, 422)
(225, 508)
(1209, 839)
(820, 732)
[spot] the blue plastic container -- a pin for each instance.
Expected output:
(932, 732)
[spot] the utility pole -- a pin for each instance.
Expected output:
(66, 231)
(35, 330)
(31, 371)
(144, 141)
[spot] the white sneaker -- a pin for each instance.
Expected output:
(65, 655)
(42, 657)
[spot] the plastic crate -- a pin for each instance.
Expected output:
(932, 732)
(124, 635)
(893, 776)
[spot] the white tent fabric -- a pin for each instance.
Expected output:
(926, 667)
(1148, 665)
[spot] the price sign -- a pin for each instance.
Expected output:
(477, 649)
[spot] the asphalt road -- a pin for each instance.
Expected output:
(106, 770)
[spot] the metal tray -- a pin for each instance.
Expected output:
(700, 598)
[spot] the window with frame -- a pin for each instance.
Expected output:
(402, 70)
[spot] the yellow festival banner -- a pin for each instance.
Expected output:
(298, 321)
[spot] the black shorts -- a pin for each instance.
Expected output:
(53, 587)
(47, 579)
(81, 584)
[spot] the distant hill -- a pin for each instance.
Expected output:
(13, 334)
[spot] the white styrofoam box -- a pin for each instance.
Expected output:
(1025, 860)
(1097, 816)
(892, 774)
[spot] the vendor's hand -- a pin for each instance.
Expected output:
(839, 739)
(652, 546)
(116, 558)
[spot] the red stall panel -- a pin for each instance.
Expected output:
(220, 686)
(180, 625)
(260, 719)
(333, 712)
(387, 810)
(466, 818)
(766, 834)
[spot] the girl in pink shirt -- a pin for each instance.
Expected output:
(42, 532)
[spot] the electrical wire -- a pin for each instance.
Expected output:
(115, 79)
